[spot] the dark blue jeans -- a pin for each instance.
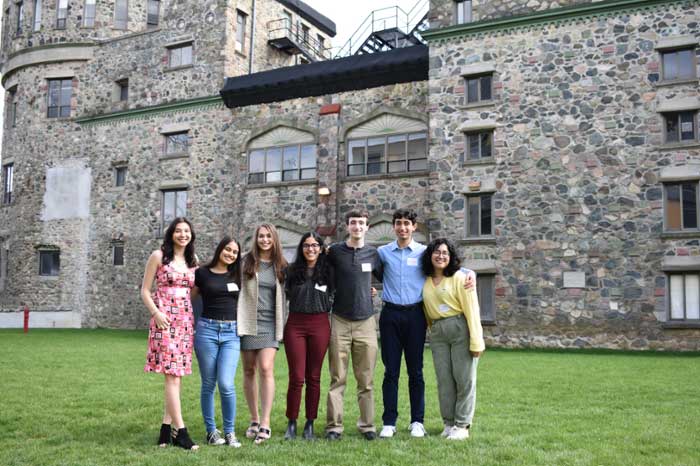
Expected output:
(402, 330)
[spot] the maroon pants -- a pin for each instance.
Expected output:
(306, 338)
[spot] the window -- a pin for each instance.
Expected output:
(287, 16)
(479, 220)
(177, 143)
(37, 15)
(174, 205)
(123, 90)
(8, 172)
(121, 14)
(89, 14)
(684, 296)
(120, 176)
(387, 154)
(20, 16)
(12, 107)
(681, 206)
(241, 19)
(681, 126)
(276, 164)
(180, 55)
(678, 64)
(479, 88)
(305, 33)
(464, 12)
(60, 92)
(486, 291)
(478, 146)
(61, 13)
(49, 262)
(117, 253)
(153, 13)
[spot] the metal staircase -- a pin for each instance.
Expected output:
(295, 40)
(387, 29)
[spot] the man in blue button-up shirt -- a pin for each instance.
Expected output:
(402, 322)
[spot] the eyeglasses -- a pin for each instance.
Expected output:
(310, 246)
(441, 253)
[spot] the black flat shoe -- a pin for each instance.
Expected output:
(308, 433)
(333, 435)
(182, 439)
(165, 439)
(291, 432)
(369, 435)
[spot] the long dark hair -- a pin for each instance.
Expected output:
(427, 263)
(251, 261)
(296, 274)
(168, 247)
(234, 269)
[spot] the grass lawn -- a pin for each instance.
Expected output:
(80, 397)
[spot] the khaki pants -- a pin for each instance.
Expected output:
(356, 339)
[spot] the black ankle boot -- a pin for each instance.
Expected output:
(291, 433)
(308, 433)
(182, 439)
(164, 439)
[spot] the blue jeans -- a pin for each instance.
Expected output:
(218, 348)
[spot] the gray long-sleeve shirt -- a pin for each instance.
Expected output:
(353, 269)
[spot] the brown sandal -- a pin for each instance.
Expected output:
(264, 434)
(252, 431)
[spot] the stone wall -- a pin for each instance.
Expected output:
(576, 173)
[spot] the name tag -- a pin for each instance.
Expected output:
(443, 308)
(232, 287)
(412, 261)
(366, 267)
(321, 288)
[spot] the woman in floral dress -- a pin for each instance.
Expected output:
(170, 335)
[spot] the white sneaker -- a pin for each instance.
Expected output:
(387, 432)
(232, 441)
(417, 429)
(446, 431)
(458, 433)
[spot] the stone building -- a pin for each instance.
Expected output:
(556, 142)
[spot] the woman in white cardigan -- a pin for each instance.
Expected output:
(261, 317)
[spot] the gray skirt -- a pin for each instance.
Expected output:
(264, 339)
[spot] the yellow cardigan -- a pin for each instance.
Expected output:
(448, 299)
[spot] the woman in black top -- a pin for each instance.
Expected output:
(307, 332)
(216, 339)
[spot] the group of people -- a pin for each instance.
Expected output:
(320, 303)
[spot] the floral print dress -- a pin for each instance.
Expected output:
(170, 350)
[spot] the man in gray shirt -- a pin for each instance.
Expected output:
(353, 326)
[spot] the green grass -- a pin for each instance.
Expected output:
(80, 397)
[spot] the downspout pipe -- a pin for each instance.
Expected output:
(252, 40)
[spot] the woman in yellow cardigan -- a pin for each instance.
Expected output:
(456, 337)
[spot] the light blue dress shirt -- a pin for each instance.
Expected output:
(403, 275)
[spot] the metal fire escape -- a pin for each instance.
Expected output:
(295, 39)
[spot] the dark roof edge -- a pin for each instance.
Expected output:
(322, 22)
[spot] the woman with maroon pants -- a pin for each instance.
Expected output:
(307, 332)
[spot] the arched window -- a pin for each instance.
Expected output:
(282, 154)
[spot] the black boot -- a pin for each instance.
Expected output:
(164, 439)
(182, 439)
(291, 433)
(308, 433)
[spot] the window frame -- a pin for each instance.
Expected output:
(241, 27)
(169, 143)
(467, 215)
(61, 14)
(120, 19)
(385, 162)
(696, 118)
(55, 268)
(460, 12)
(20, 17)
(36, 18)
(480, 277)
(8, 182)
(164, 192)
(478, 77)
(11, 114)
(299, 170)
(85, 16)
(481, 158)
(149, 21)
(177, 49)
(677, 51)
(666, 185)
(117, 245)
(669, 301)
(60, 108)
(120, 175)
(122, 87)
